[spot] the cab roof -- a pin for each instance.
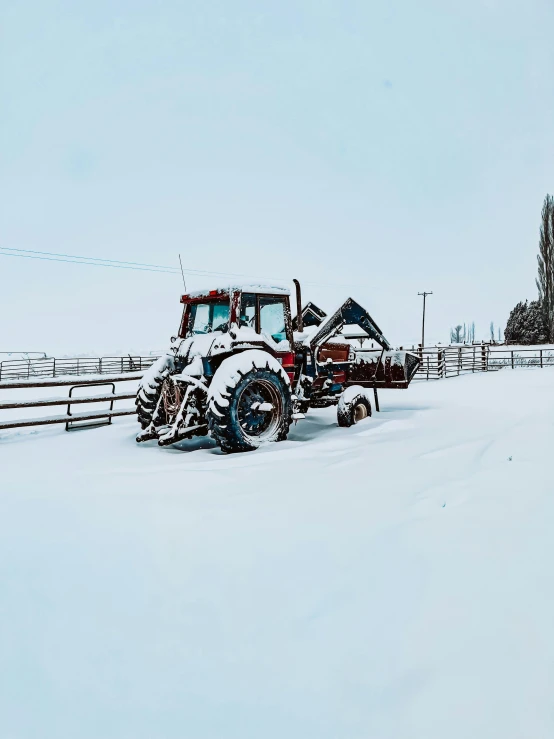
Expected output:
(220, 292)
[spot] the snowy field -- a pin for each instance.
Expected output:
(390, 580)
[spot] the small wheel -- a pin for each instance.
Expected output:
(353, 407)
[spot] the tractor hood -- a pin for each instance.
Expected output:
(189, 352)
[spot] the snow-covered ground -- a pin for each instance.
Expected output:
(390, 580)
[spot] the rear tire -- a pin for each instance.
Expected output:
(234, 417)
(353, 407)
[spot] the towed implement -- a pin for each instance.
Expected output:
(242, 370)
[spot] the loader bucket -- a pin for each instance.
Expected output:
(383, 369)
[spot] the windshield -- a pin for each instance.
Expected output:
(207, 317)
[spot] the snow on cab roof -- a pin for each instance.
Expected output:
(249, 288)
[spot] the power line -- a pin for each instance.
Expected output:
(91, 259)
(144, 266)
(117, 264)
(89, 264)
(125, 265)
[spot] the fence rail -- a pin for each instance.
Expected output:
(452, 361)
(436, 363)
(20, 369)
(70, 419)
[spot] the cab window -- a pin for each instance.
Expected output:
(207, 317)
(272, 318)
(220, 316)
(248, 311)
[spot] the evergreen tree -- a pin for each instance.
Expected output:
(515, 326)
(536, 325)
(545, 258)
(526, 324)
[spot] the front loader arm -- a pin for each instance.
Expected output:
(349, 314)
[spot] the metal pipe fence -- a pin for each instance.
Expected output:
(452, 361)
(436, 362)
(69, 418)
(21, 369)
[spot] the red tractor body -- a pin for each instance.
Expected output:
(228, 333)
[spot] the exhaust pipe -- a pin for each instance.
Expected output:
(299, 321)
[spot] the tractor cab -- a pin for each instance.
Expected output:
(244, 317)
(261, 310)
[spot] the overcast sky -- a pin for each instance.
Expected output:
(375, 148)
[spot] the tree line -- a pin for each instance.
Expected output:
(533, 322)
(529, 322)
(465, 333)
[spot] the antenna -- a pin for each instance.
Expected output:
(181, 263)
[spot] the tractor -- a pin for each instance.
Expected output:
(242, 370)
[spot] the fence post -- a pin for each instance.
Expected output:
(512, 358)
(473, 364)
(541, 357)
(483, 357)
(54, 368)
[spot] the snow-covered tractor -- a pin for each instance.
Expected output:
(242, 370)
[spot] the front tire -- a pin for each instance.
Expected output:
(353, 407)
(150, 411)
(252, 406)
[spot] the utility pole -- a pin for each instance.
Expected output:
(424, 295)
